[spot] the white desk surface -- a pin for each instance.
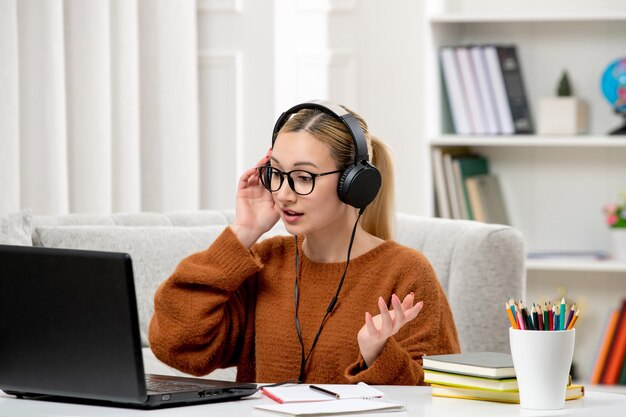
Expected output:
(418, 400)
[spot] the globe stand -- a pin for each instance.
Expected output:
(622, 129)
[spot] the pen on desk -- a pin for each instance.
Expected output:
(324, 391)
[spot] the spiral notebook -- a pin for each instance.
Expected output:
(304, 393)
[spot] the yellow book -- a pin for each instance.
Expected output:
(573, 392)
(468, 381)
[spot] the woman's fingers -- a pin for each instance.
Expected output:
(414, 311)
(369, 323)
(387, 321)
(398, 309)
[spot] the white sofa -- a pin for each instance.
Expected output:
(480, 266)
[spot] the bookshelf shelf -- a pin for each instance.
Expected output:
(593, 141)
(581, 265)
(455, 18)
(554, 187)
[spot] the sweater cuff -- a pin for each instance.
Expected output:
(389, 368)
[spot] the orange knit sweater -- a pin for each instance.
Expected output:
(228, 305)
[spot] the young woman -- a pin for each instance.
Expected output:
(337, 302)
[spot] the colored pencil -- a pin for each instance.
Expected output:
(562, 314)
(573, 322)
(570, 315)
(509, 313)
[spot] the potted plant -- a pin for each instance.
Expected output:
(564, 114)
(615, 217)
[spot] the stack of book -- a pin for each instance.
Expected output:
(465, 188)
(485, 90)
(610, 364)
(487, 376)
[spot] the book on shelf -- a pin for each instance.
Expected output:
(442, 191)
(455, 199)
(486, 199)
(617, 351)
(466, 166)
(480, 364)
(571, 393)
(604, 345)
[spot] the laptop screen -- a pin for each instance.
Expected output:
(68, 323)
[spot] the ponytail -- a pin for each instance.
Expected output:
(378, 216)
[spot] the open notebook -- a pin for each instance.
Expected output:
(321, 408)
(326, 392)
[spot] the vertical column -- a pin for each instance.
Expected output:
(88, 80)
(125, 129)
(169, 104)
(9, 109)
(42, 106)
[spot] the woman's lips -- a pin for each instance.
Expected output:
(291, 216)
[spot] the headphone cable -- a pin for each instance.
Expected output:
(304, 359)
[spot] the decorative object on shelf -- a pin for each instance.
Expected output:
(615, 215)
(613, 84)
(564, 114)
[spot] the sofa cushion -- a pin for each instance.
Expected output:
(15, 228)
(154, 250)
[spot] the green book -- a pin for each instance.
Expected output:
(466, 166)
(622, 378)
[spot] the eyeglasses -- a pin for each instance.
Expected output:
(301, 182)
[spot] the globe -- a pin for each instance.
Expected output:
(613, 84)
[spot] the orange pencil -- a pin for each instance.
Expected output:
(573, 322)
(510, 314)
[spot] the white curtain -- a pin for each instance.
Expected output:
(98, 105)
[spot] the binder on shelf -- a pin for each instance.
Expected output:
(471, 88)
(515, 91)
(455, 91)
(505, 118)
(485, 89)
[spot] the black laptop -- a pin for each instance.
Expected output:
(69, 330)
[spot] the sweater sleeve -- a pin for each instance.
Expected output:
(204, 312)
(431, 332)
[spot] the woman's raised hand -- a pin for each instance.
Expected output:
(255, 213)
(377, 329)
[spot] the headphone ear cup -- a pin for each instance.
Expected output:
(359, 184)
(266, 176)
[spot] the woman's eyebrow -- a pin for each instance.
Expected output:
(297, 164)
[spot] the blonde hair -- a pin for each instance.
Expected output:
(378, 216)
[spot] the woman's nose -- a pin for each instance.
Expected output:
(285, 193)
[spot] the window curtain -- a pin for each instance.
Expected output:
(98, 106)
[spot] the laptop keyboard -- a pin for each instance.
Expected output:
(173, 386)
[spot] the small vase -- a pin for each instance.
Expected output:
(618, 237)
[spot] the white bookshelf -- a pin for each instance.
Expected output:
(554, 186)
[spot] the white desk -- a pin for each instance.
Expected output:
(418, 400)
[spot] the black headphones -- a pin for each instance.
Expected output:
(359, 183)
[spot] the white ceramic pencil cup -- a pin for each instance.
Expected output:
(542, 361)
